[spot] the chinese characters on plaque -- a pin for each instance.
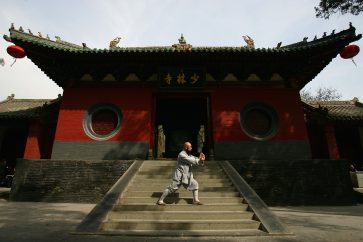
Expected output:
(173, 77)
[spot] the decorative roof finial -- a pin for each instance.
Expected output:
(114, 43)
(182, 40)
(30, 32)
(7, 38)
(40, 35)
(249, 41)
(324, 34)
(333, 32)
(11, 97)
(21, 29)
(305, 39)
(48, 37)
(182, 43)
(315, 37)
(279, 45)
(12, 26)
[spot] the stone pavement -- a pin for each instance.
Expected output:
(44, 222)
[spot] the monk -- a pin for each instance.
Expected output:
(183, 174)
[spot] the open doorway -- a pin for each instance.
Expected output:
(181, 119)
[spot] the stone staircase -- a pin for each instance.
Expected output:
(224, 213)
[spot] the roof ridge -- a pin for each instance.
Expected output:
(27, 100)
(352, 102)
(20, 34)
(335, 102)
(32, 99)
(325, 37)
(59, 41)
(8, 99)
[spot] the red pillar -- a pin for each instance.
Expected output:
(32, 148)
(331, 142)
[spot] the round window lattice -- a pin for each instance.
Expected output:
(102, 121)
(259, 121)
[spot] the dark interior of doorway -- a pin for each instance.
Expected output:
(181, 120)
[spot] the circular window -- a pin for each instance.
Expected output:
(259, 121)
(102, 121)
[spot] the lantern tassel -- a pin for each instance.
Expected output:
(13, 62)
(354, 62)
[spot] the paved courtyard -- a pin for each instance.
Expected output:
(44, 222)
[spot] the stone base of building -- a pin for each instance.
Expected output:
(299, 182)
(73, 181)
(277, 182)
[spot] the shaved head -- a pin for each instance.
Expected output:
(187, 147)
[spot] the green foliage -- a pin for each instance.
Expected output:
(329, 7)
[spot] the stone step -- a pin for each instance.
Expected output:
(209, 165)
(180, 193)
(178, 215)
(163, 162)
(168, 170)
(168, 178)
(187, 233)
(171, 171)
(181, 207)
(172, 165)
(181, 200)
(163, 183)
(161, 187)
(180, 224)
(169, 175)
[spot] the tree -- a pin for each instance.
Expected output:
(322, 94)
(329, 7)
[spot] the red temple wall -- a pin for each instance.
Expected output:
(132, 141)
(135, 104)
(229, 140)
(227, 103)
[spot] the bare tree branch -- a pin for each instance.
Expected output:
(321, 94)
(328, 7)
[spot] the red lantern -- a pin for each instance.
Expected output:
(349, 51)
(16, 51)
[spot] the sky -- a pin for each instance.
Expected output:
(160, 23)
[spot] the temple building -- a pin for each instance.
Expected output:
(240, 104)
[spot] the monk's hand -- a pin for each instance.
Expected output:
(202, 158)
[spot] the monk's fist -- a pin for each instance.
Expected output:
(202, 157)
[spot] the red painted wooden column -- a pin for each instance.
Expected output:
(32, 148)
(331, 142)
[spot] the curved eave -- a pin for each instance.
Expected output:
(309, 58)
(21, 38)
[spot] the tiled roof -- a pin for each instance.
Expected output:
(338, 110)
(13, 108)
(295, 65)
(22, 37)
